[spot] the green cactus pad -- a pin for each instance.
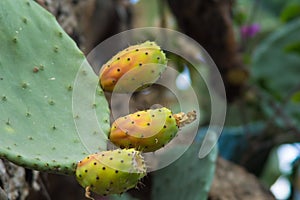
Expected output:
(187, 178)
(38, 66)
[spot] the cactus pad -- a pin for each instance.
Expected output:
(38, 66)
(187, 178)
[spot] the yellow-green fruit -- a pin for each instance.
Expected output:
(146, 131)
(134, 68)
(111, 172)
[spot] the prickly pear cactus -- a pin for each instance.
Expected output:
(134, 68)
(187, 178)
(147, 130)
(38, 66)
(111, 172)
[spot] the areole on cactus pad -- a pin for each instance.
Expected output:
(133, 68)
(148, 130)
(111, 172)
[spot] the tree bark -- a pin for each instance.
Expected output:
(209, 23)
(89, 22)
(232, 182)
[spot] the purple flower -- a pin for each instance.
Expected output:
(249, 31)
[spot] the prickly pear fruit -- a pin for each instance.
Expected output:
(146, 131)
(134, 68)
(111, 172)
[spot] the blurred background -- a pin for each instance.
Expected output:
(256, 47)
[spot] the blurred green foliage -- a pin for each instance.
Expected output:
(290, 12)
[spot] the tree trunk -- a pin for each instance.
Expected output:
(209, 23)
(232, 182)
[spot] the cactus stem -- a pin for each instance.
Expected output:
(183, 119)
